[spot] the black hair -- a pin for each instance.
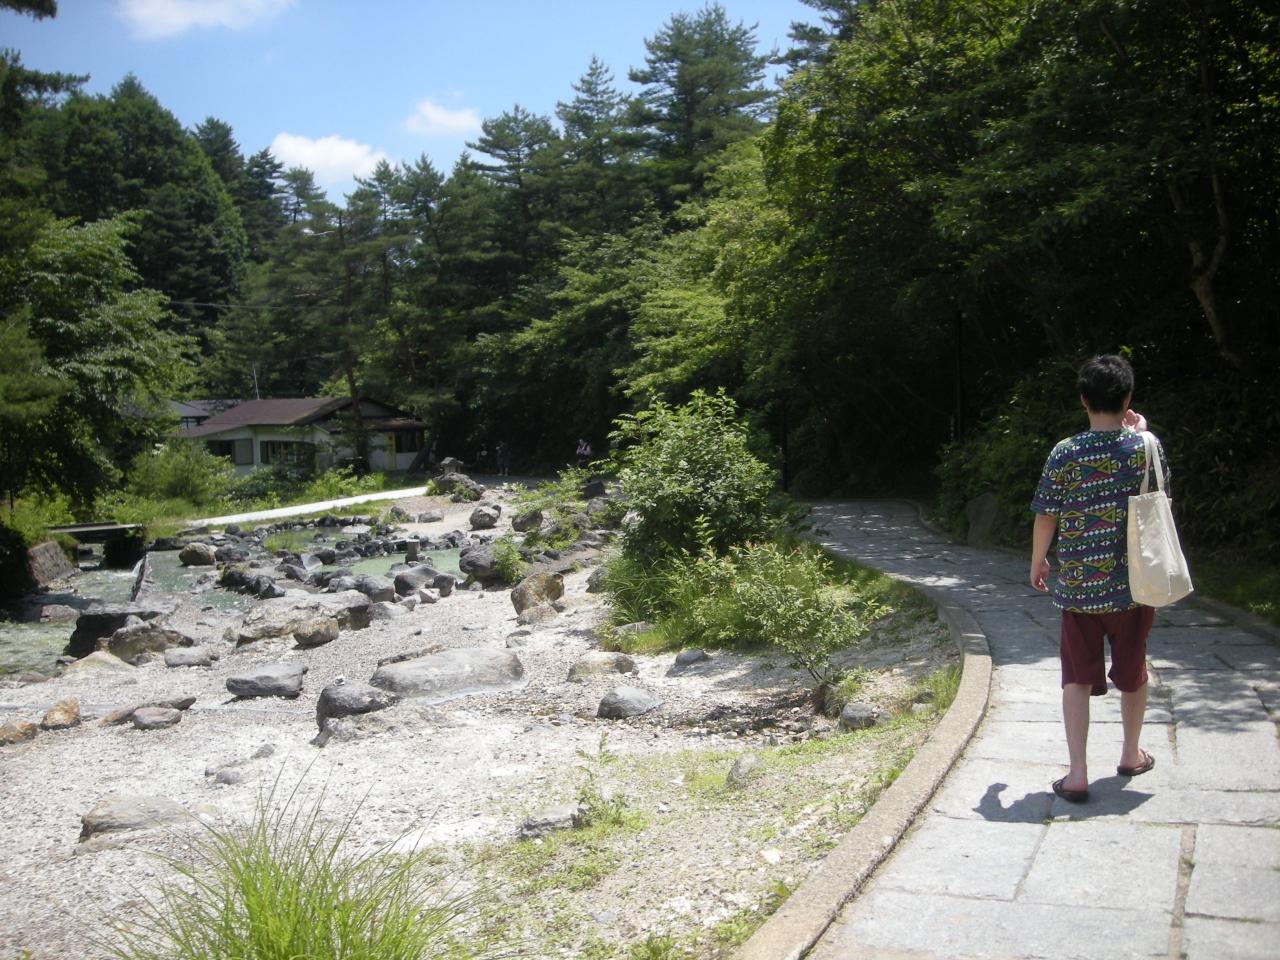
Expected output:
(1105, 382)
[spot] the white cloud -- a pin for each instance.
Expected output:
(432, 119)
(155, 19)
(333, 159)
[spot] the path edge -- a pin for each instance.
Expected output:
(797, 925)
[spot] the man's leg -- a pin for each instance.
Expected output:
(1133, 707)
(1075, 717)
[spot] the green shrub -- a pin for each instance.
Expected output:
(764, 595)
(288, 886)
(180, 470)
(268, 487)
(640, 588)
(507, 559)
(683, 465)
(337, 482)
(33, 514)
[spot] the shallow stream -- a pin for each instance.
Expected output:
(36, 646)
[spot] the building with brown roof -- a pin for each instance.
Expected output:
(308, 432)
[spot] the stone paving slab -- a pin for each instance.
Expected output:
(1243, 758)
(973, 858)
(1083, 864)
(1205, 939)
(1104, 710)
(962, 928)
(1236, 874)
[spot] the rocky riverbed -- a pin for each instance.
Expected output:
(446, 717)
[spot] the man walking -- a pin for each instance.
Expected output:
(1083, 497)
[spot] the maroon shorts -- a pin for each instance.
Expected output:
(1081, 648)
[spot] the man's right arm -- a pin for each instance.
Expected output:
(1046, 525)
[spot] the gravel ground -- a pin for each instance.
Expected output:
(460, 774)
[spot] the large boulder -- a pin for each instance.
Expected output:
(376, 589)
(601, 663)
(282, 617)
(537, 588)
(622, 703)
(485, 517)
(459, 485)
(526, 520)
(99, 662)
(345, 698)
(480, 563)
(451, 673)
(130, 813)
(268, 680)
(100, 620)
(141, 641)
(409, 582)
(198, 555)
(47, 563)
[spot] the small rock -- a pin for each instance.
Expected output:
(430, 516)
(600, 662)
(595, 582)
(687, 658)
(857, 715)
(624, 702)
(155, 718)
(349, 697)
(17, 731)
(189, 657)
(316, 632)
(564, 816)
(272, 680)
(631, 629)
(385, 610)
(540, 613)
(428, 595)
(63, 715)
(743, 769)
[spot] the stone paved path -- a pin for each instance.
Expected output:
(1183, 861)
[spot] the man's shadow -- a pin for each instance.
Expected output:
(1107, 798)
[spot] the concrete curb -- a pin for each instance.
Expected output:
(1250, 622)
(796, 926)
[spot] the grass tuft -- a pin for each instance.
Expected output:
(286, 886)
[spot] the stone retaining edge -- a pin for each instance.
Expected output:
(796, 926)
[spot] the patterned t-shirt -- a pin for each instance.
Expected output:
(1086, 484)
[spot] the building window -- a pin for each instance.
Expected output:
(286, 452)
(239, 452)
(408, 441)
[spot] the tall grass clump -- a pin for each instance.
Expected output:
(288, 886)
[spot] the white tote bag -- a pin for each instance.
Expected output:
(1158, 574)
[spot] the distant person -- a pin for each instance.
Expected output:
(1083, 497)
(503, 451)
(583, 452)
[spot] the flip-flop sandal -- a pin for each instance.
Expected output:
(1071, 796)
(1148, 762)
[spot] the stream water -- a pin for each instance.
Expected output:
(35, 646)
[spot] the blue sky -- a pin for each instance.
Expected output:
(335, 84)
